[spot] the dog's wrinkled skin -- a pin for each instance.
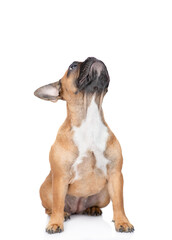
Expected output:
(86, 158)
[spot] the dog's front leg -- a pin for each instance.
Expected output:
(59, 187)
(115, 188)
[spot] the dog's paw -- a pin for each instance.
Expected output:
(93, 211)
(54, 228)
(66, 216)
(124, 226)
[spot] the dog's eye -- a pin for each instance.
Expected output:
(73, 65)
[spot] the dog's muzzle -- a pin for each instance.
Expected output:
(93, 76)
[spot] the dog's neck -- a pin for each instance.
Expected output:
(77, 111)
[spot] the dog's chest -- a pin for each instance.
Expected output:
(92, 137)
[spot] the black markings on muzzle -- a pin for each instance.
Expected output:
(89, 80)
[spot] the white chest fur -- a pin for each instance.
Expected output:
(91, 136)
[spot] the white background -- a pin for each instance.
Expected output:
(38, 41)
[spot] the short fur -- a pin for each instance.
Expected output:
(86, 158)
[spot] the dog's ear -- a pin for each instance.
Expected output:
(50, 92)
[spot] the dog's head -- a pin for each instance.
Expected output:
(88, 77)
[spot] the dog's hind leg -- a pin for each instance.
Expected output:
(93, 211)
(48, 211)
(46, 194)
(95, 202)
(47, 197)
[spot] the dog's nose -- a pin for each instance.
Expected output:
(91, 59)
(93, 76)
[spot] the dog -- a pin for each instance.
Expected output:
(86, 158)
